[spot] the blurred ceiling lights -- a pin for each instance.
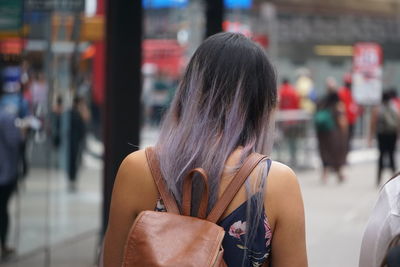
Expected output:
(334, 50)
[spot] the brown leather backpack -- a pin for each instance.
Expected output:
(173, 238)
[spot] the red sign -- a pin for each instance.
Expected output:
(11, 46)
(166, 54)
(367, 56)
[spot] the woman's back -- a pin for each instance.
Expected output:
(238, 250)
(220, 114)
(135, 191)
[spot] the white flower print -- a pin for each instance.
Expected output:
(237, 229)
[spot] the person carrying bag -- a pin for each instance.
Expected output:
(226, 203)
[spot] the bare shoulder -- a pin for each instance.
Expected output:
(134, 191)
(285, 210)
(133, 163)
(282, 192)
(282, 187)
(132, 169)
(281, 175)
(134, 182)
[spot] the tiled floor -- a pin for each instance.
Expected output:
(47, 217)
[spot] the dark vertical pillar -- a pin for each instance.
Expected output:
(214, 16)
(98, 80)
(123, 88)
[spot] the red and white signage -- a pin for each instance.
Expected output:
(166, 54)
(367, 73)
(12, 46)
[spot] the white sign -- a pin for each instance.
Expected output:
(367, 73)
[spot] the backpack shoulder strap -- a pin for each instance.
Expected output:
(248, 166)
(166, 196)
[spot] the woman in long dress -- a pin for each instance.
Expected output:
(332, 140)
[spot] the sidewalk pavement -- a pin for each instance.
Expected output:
(336, 214)
(56, 226)
(66, 232)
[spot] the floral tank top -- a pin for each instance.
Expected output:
(236, 254)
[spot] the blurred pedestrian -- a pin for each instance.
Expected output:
(395, 99)
(76, 117)
(383, 228)
(219, 116)
(37, 96)
(26, 115)
(39, 93)
(289, 100)
(159, 99)
(332, 129)
(56, 128)
(149, 71)
(350, 106)
(57, 110)
(305, 88)
(10, 139)
(14, 103)
(385, 125)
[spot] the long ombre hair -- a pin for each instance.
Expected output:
(223, 102)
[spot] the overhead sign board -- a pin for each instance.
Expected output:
(61, 5)
(303, 28)
(238, 4)
(367, 73)
(11, 15)
(11, 46)
(164, 3)
(231, 4)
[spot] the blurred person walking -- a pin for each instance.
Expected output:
(222, 112)
(385, 125)
(305, 88)
(38, 91)
(76, 117)
(148, 71)
(289, 100)
(37, 96)
(56, 114)
(395, 99)
(10, 140)
(56, 127)
(14, 103)
(25, 113)
(159, 99)
(350, 106)
(332, 130)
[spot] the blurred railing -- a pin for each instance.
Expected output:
(295, 142)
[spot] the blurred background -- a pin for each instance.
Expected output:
(88, 82)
